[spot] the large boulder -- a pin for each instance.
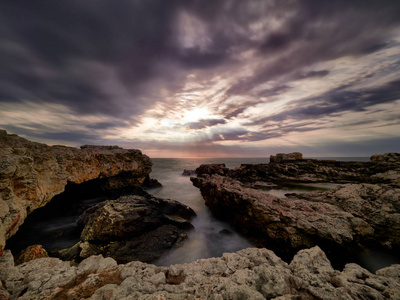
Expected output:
(31, 174)
(131, 228)
(247, 274)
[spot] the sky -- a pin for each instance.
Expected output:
(220, 78)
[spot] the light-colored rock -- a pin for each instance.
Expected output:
(31, 174)
(247, 274)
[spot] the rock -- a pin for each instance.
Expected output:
(378, 170)
(343, 220)
(30, 253)
(282, 157)
(132, 228)
(247, 274)
(31, 174)
(188, 172)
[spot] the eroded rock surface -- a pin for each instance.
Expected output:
(31, 174)
(348, 217)
(282, 169)
(131, 228)
(247, 274)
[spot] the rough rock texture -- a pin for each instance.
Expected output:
(131, 228)
(381, 169)
(31, 174)
(349, 217)
(281, 157)
(247, 274)
(30, 253)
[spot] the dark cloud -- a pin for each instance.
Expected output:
(319, 31)
(70, 137)
(334, 103)
(118, 60)
(107, 125)
(321, 73)
(204, 123)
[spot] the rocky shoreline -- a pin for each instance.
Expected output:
(134, 225)
(347, 219)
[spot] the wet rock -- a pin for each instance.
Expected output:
(247, 274)
(30, 253)
(189, 172)
(31, 174)
(131, 228)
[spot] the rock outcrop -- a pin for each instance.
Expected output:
(31, 174)
(247, 274)
(131, 228)
(289, 168)
(281, 157)
(342, 220)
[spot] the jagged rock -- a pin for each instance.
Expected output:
(188, 172)
(131, 228)
(30, 253)
(247, 274)
(383, 169)
(281, 157)
(31, 174)
(345, 219)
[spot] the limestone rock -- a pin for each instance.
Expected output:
(282, 157)
(30, 253)
(132, 228)
(31, 174)
(346, 218)
(248, 274)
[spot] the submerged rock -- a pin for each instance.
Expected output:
(31, 174)
(247, 274)
(131, 228)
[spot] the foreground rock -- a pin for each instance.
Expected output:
(247, 274)
(131, 228)
(345, 219)
(31, 174)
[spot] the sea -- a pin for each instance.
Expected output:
(211, 236)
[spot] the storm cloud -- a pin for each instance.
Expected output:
(258, 73)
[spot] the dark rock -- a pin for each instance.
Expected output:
(189, 173)
(282, 157)
(132, 228)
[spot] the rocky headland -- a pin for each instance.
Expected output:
(364, 212)
(31, 174)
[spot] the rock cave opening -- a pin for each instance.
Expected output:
(54, 225)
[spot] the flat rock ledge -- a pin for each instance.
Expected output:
(248, 274)
(31, 174)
